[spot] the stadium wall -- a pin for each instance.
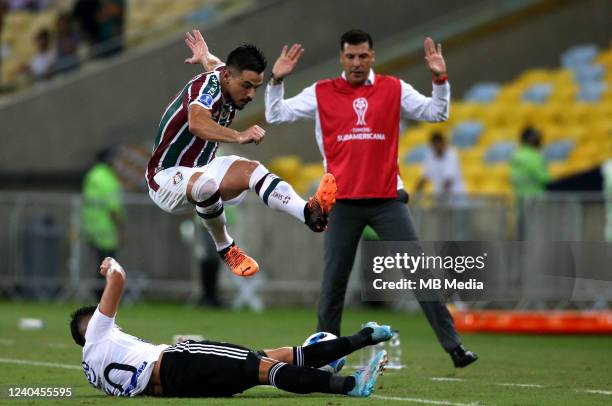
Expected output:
(60, 125)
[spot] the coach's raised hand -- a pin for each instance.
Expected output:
(254, 134)
(433, 58)
(286, 62)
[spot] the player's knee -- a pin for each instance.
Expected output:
(201, 187)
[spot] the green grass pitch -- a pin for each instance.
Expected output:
(557, 370)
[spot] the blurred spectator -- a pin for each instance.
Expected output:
(3, 11)
(528, 175)
(101, 22)
(110, 27)
(42, 64)
(29, 5)
(67, 44)
(103, 212)
(85, 12)
(441, 168)
(528, 172)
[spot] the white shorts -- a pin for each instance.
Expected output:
(171, 195)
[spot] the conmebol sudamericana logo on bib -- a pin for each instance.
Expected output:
(360, 105)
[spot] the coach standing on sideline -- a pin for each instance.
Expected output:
(357, 117)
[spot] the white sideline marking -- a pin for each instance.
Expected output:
(521, 385)
(596, 391)
(38, 363)
(445, 379)
(426, 401)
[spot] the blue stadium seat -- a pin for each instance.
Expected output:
(538, 93)
(416, 155)
(499, 152)
(591, 91)
(558, 151)
(589, 73)
(466, 134)
(484, 92)
(578, 56)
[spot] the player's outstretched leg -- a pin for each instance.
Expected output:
(323, 352)
(293, 378)
(279, 195)
(204, 192)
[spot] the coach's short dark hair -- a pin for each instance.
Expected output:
(77, 320)
(355, 37)
(247, 57)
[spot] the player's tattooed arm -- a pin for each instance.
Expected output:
(200, 52)
(114, 274)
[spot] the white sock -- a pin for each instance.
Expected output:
(213, 218)
(276, 193)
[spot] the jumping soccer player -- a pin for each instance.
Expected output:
(123, 365)
(183, 171)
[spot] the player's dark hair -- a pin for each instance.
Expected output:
(247, 57)
(531, 136)
(76, 323)
(355, 37)
(436, 137)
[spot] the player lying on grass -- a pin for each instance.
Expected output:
(184, 173)
(123, 365)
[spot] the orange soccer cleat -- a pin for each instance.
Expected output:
(240, 263)
(319, 205)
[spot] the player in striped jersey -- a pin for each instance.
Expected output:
(120, 364)
(183, 171)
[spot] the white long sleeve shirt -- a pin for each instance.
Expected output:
(303, 106)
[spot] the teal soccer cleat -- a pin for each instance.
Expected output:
(380, 333)
(365, 378)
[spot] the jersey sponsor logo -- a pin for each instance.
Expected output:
(90, 374)
(206, 100)
(177, 178)
(360, 105)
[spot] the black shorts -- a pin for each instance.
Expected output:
(208, 369)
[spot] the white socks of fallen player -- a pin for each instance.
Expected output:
(209, 207)
(276, 193)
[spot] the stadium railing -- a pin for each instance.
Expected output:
(45, 255)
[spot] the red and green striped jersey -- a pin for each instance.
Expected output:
(175, 145)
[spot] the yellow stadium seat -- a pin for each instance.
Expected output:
(558, 170)
(472, 155)
(563, 93)
(576, 114)
(500, 134)
(287, 167)
(552, 133)
(412, 137)
(605, 58)
(510, 93)
(410, 175)
(533, 76)
(463, 111)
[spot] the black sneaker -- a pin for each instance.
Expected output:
(462, 357)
